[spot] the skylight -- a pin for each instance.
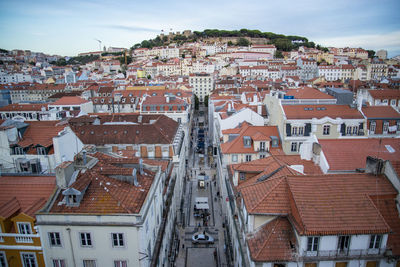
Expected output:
(390, 148)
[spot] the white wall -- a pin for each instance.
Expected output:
(244, 115)
(66, 146)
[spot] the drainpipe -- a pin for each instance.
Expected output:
(72, 248)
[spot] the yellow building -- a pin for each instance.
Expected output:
(20, 198)
(141, 73)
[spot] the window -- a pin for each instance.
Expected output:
(234, 158)
(372, 126)
(18, 150)
(120, 264)
(262, 156)
(344, 242)
(3, 261)
(242, 175)
(262, 146)
(86, 239)
(293, 147)
(393, 102)
(24, 228)
(118, 239)
(29, 259)
(58, 263)
(248, 157)
(375, 241)
(41, 150)
(312, 243)
(89, 263)
(55, 240)
(341, 264)
(327, 129)
(385, 126)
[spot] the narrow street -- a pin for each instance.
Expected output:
(205, 221)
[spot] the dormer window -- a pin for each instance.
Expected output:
(41, 150)
(72, 197)
(247, 141)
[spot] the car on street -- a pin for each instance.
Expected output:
(202, 239)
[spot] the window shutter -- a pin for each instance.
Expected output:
(307, 129)
(343, 129)
(288, 129)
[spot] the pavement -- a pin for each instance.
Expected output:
(201, 254)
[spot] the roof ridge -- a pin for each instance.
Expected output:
(376, 208)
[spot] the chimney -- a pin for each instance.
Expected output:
(167, 99)
(84, 157)
(229, 106)
(64, 173)
(135, 180)
(259, 109)
(141, 166)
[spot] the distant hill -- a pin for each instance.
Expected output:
(236, 37)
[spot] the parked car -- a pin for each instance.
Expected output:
(202, 239)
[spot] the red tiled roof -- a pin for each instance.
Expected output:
(323, 205)
(25, 193)
(69, 100)
(380, 112)
(24, 107)
(40, 133)
(273, 241)
(351, 154)
(332, 111)
(308, 93)
(386, 93)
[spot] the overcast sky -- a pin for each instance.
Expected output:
(70, 27)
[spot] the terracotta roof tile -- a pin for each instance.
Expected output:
(308, 93)
(69, 100)
(273, 242)
(351, 154)
(321, 111)
(40, 133)
(380, 112)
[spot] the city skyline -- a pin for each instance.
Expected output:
(69, 28)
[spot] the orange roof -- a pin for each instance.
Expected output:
(24, 193)
(386, 93)
(24, 107)
(272, 241)
(69, 100)
(308, 93)
(380, 112)
(325, 204)
(40, 133)
(236, 146)
(321, 111)
(351, 154)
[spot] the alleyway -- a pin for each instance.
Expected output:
(190, 254)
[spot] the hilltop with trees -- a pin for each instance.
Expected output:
(237, 37)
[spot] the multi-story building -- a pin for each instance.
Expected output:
(377, 70)
(382, 121)
(20, 198)
(26, 112)
(385, 97)
(105, 212)
(35, 92)
(202, 84)
(309, 68)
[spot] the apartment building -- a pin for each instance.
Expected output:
(202, 85)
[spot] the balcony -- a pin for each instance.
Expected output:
(19, 238)
(346, 254)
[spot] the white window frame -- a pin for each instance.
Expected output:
(248, 158)
(85, 239)
(393, 102)
(234, 157)
(293, 147)
(32, 256)
(120, 237)
(262, 146)
(385, 127)
(326, 129)
(120, 263)
(376, 244)
(313, 243)
(26, 225)
(3, 258)
(41, 150)
(53, 237)
(372, 127)
(86, 261)
(58, 262)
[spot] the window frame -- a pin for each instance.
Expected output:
(313, 246)
(120, 237)
(32, 255)
(53, 237)
(248, 157)
(4, 258)
(293, 146)
(375, 241)
(86, 234)
(120, 263)
(345, 242)
(87, 261)
(326, 129)
(19, 224)
(59, 262)
(234, 158)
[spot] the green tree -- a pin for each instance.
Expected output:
(145, 44)
(243, 42)
(278, 54)
(230, 43)
(196, 102)
(206, 101)
(149, 77)
(371, 53)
